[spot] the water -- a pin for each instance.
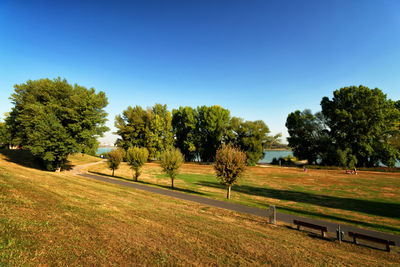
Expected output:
(270, 154)
(102, 150)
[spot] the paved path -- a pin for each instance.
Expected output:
(287, 218)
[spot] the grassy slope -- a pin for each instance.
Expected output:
(48, 218)
(369, 199)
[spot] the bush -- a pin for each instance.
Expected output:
(114, 159)
(171, 161)
(230, 163)
(136, 157)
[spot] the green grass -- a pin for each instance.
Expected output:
(368, 199)
(62, 219)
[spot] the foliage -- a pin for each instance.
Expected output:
(5, 136)
(149, 128)
(230, 163)
(114, 159)
(171, 161)
(363, 120)
(251, 137)
(136, 157)
(53, 119)
(306, 132)
(212, 125)
(285, 161)
(184, 123)
(359, 126)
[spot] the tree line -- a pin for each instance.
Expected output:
(359, 126)
(197, 132)
(53, 119)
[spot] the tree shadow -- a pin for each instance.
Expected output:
(149, 184)
(390, 210)
(22, 157)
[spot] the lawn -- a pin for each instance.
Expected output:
(368, 199)
(61, 219)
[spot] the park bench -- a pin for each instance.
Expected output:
(323, 229)
(386, 242)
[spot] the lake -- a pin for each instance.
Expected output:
(102, 150)
(271, 154)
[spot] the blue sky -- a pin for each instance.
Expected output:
(260, 59)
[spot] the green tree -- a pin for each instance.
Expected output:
(363, 120)
(136, 157)
(132, 127)
(230, 163)
(250, 136)
(212, 126)
(306, 134)
(52, 119)
(149, 128)
(171, 161)
(184, 123)
(114, 159)
(5, 136)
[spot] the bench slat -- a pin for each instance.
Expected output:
(388, 243)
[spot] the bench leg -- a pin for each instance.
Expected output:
(387, 247)
(298, 227)
(354, 240)
(323, 234)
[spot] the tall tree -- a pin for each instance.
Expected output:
(250, 136)
(149, 128)
(212, 126)
(5, 136)
(53, 119)
(363, 120)
(184, 123)
(306, 133)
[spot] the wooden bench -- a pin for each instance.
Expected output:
(388, 243)
(323, 229)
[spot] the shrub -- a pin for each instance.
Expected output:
(136, 157)
(230, 163)
(171, 161)
(114, 159)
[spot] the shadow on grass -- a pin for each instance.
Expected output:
(149, 184)
(341, 219)
(25, 158)
(22, 157)
(390, 210)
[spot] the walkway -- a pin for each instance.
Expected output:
(283, 217)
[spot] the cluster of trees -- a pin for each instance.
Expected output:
(53, 119)
(359, 126)
(198, 133)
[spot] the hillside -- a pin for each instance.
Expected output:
(62, 219)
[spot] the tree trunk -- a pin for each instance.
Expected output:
(113, 173)
(58, 169)
(228, 193)
(172, 182)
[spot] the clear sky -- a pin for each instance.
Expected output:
(260, 59)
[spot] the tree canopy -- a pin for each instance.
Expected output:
(358, 126)
(149, 128)
(52, 119)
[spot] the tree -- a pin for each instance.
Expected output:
(230, 163)
(171, 161)
(5, 137)
(363, 121)
(136, 157)
(306, 134)
(52, 119)
(149, 128)
(184, 123)
(250, 136)
(212, 126)
(114, 159)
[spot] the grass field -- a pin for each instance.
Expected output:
(369, 199)
(61, 219)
